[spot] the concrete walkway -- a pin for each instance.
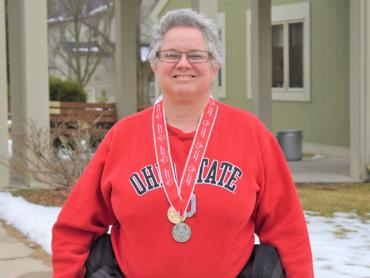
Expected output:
(16, 259)
(321, 169)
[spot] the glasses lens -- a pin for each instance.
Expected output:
(169, 56)
(197, 56)
(173, 56)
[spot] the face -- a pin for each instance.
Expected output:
(184, 79)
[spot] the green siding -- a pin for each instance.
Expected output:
(325, 119)
(235, 56)
(175, 4)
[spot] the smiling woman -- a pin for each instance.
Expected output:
(187, 183)
(185, 74)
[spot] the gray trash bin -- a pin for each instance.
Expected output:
(290, 141)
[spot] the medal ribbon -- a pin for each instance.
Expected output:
(179, 195)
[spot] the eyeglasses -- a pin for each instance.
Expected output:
(173, 56)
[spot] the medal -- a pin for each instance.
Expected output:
(174, 217)
(181, 195)
(181, 232)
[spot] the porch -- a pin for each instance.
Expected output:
(322, 169)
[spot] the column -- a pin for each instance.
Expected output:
(261, 60)
(359, 89)
(126, 12)
(4, 171)
(28, 68)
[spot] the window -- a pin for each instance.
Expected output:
(290, 52)
(287, 55)
(295, 55)
(278, 56)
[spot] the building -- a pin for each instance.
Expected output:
(314, 53)
(319, 77)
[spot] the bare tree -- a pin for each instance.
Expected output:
(80, 35)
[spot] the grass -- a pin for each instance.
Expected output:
(326, 199)
(45, 197)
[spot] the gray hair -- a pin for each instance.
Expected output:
(187, 18)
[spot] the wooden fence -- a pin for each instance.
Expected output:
(65, 113)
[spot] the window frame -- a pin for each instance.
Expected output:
(286, 14)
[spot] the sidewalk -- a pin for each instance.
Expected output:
(321, 169)
(16, 260)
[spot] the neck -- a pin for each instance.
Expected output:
(184, 115)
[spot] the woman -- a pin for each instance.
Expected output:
(188, 182)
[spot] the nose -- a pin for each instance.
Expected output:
(183, 62)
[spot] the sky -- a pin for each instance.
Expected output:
(340, 244)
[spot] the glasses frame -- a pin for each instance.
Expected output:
(209, 57)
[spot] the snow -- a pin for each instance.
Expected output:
(340, 244)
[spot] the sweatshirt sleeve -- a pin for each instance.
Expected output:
(86, 214)
(279, 215)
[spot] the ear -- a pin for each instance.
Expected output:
(153, 66)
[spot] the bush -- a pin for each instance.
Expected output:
(66, 90)
(60, 167)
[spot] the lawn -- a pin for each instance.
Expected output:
(329, 198)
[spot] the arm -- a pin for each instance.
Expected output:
(85, 215)
(278, 214)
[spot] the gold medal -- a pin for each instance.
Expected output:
(173, 216)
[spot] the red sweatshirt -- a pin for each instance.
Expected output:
(243, 186)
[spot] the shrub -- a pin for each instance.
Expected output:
(55, 88)
(66, 90)
(58, 167)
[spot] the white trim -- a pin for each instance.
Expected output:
(298, 12)
(157, 10)
(330, 150)
(359, 89)
(222, 26)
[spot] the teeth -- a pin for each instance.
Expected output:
(184, 76)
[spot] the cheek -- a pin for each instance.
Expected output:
(208, 72)
(162, 69)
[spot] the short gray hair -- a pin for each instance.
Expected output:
(187, 18)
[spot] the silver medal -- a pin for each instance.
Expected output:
(181, 232)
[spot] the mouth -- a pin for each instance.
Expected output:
(184, 76)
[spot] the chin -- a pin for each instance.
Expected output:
(185, 95)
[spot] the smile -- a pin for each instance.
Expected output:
(183, 76)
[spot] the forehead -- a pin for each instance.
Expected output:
(184, 38)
